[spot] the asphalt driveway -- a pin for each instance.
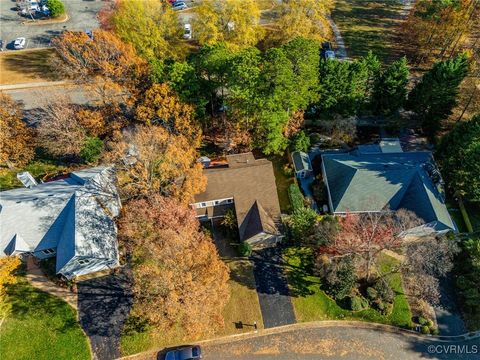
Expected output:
(103, 307)
(272, 288)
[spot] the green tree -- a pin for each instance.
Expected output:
(91, 150)
(459, 156)
(151, 26)
(301, 224)
(56, 8)
(434, 97)
(301, 141)
(390, 88)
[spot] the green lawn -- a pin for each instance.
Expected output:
(369, 25)
(38, 169)
(311, 303)
(283, 182)
(40, 326)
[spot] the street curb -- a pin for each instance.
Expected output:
(320, 324)
(34, 85)
(35, 23)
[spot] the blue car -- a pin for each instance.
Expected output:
(186, 353)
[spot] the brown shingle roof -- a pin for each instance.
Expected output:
(251, 183)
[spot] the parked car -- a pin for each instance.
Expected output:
(187, 353)
(179, 5)
(19, 43)
(327, 51)
(89, 33)
(187, 32)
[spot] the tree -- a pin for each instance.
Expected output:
(459, 157)
(91, 150)
(339, 276)
(305, 18)
(159, 105)
(59, 131)
(7, 266)
(151, 26)
(366, 235)
(434, 97)
(390, 88)
(150, 159)
(107, 64)
(230, 219)
(301, 224)
(17, 145)
(426, 261)
(236, 23)
(301, 141)
(179, 279)
(56, 8)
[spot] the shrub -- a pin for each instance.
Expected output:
(435, 331)
(296, 197)
(422, 321)
(372, 294)
(301, 142)
(56, 7)
(384, 290)
(340, 278)
(287, 170)
(91, 150)
(245, 249)
(357, 303)
(425, 329)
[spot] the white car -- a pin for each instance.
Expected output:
(187, 32)
(19, 43)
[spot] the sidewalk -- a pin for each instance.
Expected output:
(37, 279)
(35, 85)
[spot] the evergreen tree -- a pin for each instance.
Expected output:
(434, 97)
(389, 90)
(459, 155)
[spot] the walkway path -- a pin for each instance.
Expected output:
(341, 50)
(37, 278)
(272, 288)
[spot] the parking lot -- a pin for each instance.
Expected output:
(81, 13)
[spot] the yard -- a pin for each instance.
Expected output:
(311, 303)
(41, 326)
(370, 25)
(39, 169)
(283, 181)
(239, 314)
(26, 66)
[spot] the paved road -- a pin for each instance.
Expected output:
(340, 342)
(272, 288)
(103, 306)
(82, 15)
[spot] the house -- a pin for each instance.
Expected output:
(301, 164)
(247, 186)
(371, 179)
(71, 218)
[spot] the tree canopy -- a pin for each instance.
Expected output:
(179, 278)
(17, 143)
(459, 156)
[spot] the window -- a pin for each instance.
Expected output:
(204, 204)
(217, 202)
(48, 251)
(229, 201)
(83, 261)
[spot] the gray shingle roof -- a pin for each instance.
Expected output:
(360, 182)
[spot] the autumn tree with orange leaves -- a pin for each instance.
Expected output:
(160, 106)
(365, 235)
(179, 279)
(108, 65)
(17, 146)
(150, 159)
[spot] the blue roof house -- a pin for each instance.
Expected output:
(371, 181)
(71, 218)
